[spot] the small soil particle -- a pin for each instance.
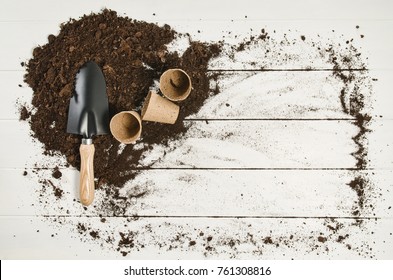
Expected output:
(56, 173)
(24, 114)
(322, 239)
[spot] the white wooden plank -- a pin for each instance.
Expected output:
(202, 10)
(286, 49)
(243, 95)
(162, 238)
(246, 193)
(291, 95)
(274, 95)
(221, 144)
(235, 144)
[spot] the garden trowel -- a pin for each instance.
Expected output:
(88, 115)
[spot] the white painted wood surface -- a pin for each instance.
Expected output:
(229, 188)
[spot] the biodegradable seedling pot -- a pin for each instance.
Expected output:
(158, 109)
(126, 127)
(175, 84)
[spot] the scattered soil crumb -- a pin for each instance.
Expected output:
(56, 173)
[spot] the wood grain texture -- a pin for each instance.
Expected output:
(87, 174)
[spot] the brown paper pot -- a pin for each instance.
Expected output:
(126, 126)
(158, 109)
(175, 84)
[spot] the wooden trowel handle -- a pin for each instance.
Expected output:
(87, 174)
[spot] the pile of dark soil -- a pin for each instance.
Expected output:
(132, 54)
